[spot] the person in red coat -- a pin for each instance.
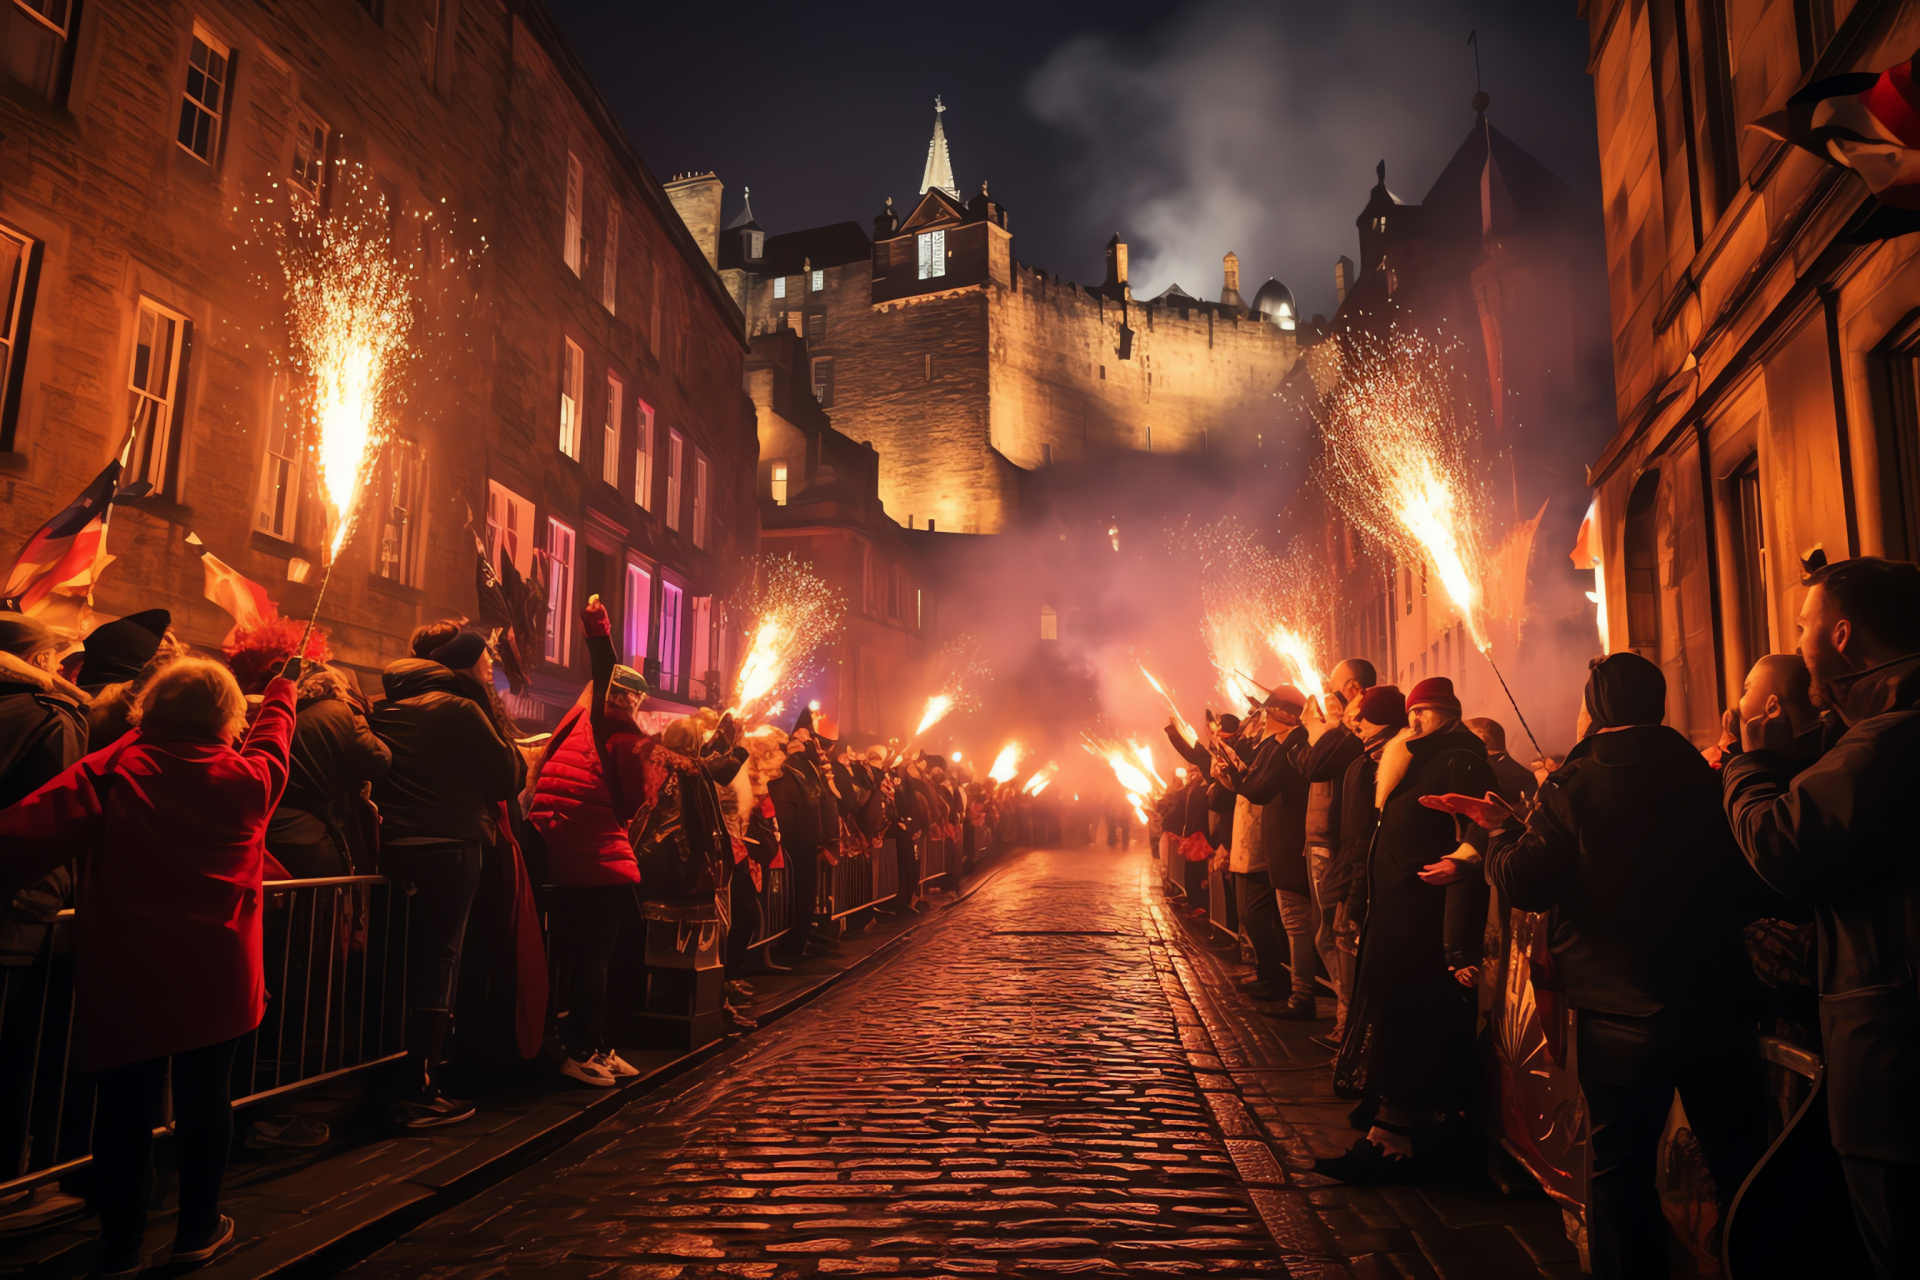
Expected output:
(590, 784)
(167, 829)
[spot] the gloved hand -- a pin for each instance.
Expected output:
(290, 670)
(594, 618)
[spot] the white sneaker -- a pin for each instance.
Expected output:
(588, 1072)
(617, 1066)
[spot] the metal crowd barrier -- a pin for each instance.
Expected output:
(776, 905)
(335, 954)
(859, 881)
(938, 856)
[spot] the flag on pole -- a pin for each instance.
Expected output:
(1868, 122)
(246, 600)
(66, 555)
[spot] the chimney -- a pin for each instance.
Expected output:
(1342, 276)
(1116, 265)
(1230, 284)
(696, 198)
(886, 224)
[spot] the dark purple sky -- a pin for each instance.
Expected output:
(1191, 129)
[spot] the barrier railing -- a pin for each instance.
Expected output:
(938, 856)
(776, 905)
(858, 881)
(335, 956)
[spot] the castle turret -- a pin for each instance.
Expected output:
(1230, 283)
(1116, 282)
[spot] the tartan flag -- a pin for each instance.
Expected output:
(66, 555)
(1868, 122)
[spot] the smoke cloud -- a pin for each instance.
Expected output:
(1255, 127)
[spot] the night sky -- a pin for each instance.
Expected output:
(1190, 129)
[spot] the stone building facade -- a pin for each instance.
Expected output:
(1764, 367)
(577, 391)
(967, 369)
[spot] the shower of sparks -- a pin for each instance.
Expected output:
(937, 707)
(1040, 780)
(959, 674)
(1145, 757)
(1141, 790)
(1293, 648)
(350, 310)
(791, 612)
(1006, 763)
(1179, 720)
(1398, 456)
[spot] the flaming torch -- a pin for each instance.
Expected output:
(1292, 647)
(1006, 763)
(937, 707)
(350, 311)
(1178, 719)
(794, 613)
(1039, 781)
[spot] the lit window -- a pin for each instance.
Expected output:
(37, 36)
(779, 286)
(819, 281)
(576, 194)
(643, 460)
(779, 484)
(933, 254)
(639, 612)
(559, 592)
(404, 479)
(152, 386)
(17, 281)
(608, 259)
(669, 648)
(309, 152)
(573, 375)
(610, 438)
(509, 528)
(208, 65)
(1049, 622)
(700, 503)
(676, 445)
(280, 472)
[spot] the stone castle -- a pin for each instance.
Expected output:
(967, 368)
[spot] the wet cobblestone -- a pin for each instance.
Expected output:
(998, 1099)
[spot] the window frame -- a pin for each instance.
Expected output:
(817, 280)
(215, 113)
(779, 286)
(822, 388)
(161, 439)
(58, 76)
(557, 647)
(404, 563)
(509, 515)
(309, 176)
(931, 246)
(777, 484)
(643, 459)
(574, 227)
(279, 484)
(670, 643)
(610, 257)
(610, 430)
(702, 497)
(16, 330)
(573, 374)
(676, 458)
(636, 643)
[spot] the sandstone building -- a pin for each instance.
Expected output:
(967, 369)
(578, 389)
(1764, 367)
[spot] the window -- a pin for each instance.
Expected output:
(559, 646)
(610, 257)
(1049, 622)
(779, 484)
(756, 244)
(610, 437)
(576, 193)
(818, 281)
(779, 286)
(1750, 550)
(573, 374)
(668, 651)
(816, 329)
(309, 152)
(509, 528)
(676, 445)
(153, 393)
(643, 460)
(700, 502)
(39, 46)
(639, 612)
(823, 380)
(209, 64)
(1642, 565)
(435, 21)
(19, 281)
(933, 254)
(280, 472)
(702, 665)
(403, 491)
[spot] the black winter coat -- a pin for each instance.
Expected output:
(1272, 782)
(41, 735)
(796, 807)
(333, 752)
(1839, 836)
(450, 766)
(1630, 850)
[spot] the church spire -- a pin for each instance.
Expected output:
(939, 170)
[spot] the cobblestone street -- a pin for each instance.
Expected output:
(1026, 1091)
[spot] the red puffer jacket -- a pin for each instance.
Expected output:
(574, 810)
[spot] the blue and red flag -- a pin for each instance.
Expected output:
(66, 555)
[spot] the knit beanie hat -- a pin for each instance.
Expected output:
(1435, 692)
(1384, 705)
(1624, 689)
(462, 651)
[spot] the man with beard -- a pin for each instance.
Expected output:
(1838, 835)
(1409, 1047)
(1629, 849)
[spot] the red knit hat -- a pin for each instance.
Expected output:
(1435, 692)
(1385, 706)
